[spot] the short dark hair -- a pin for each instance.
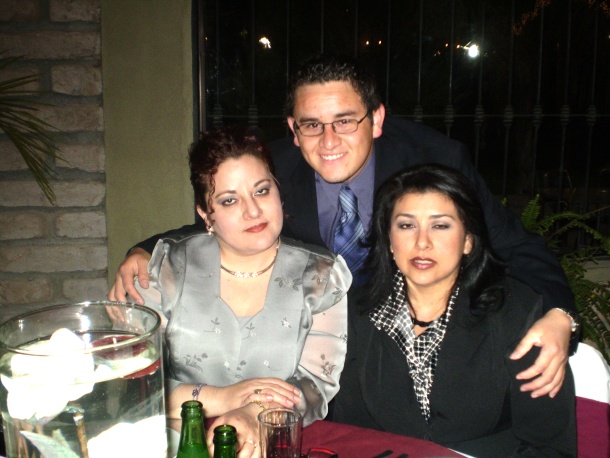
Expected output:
(216, 146)
(326, 68)
(481, 273)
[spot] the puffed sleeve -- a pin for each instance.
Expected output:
(323, 355)
(162, 293)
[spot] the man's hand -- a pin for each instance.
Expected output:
(135, 264)
(552, 333)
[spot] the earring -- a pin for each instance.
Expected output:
(209, 228)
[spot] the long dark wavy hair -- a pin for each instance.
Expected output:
(216, 146)
(481, 273)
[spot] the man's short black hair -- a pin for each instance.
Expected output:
(326, 68)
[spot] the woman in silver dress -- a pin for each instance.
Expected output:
(253, 320)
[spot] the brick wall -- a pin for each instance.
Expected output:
(53, 254)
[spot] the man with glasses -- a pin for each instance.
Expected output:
(343, 148)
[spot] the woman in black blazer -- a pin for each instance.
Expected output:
(431, 336)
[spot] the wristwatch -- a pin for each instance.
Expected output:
(574, 320)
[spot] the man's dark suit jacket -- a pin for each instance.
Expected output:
(476, 406)
(406, 144)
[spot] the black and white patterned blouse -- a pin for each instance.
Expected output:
(392, 317)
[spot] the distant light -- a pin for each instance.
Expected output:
(379, 42)
(265, 42)
(473, 51)
(366, 42)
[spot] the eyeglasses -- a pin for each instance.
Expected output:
(341, 126)
(320, 453)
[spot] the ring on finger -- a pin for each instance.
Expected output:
(254, 444)
(257, 391)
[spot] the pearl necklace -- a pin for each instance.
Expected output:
(252, 274)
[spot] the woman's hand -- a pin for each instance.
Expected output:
(218, 400)
(245, 421)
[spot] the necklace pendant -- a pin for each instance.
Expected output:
(253, 274)
(246, 274)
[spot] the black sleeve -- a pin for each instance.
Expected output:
(555, 436)
(526, 254)
(544, 426)
(349, 404)
(149, 244)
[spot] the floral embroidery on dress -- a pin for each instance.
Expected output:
(327, 367)
(216, 328)
(250, 328)
(338, 292)
(241, 363)
(235, 373)
(286, 323)
(294, 284)
(343, 337)
(195, 360)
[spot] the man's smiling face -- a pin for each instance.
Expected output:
(336, 157)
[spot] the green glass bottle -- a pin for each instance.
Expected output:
(225, 440)
(192, 435)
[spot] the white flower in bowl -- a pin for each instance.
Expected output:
(41, 386)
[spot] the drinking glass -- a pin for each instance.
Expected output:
(280, 431)
(83, 380)
(320, 453)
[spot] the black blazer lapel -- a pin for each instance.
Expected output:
(385, 379)
(300, 199)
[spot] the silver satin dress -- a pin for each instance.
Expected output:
(299, 336)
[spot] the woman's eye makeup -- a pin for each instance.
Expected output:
(228, 201)
(405, 224)
(263, 191)
(411, 225)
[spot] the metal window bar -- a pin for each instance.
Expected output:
(539, 133)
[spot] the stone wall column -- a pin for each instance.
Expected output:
(52, 254)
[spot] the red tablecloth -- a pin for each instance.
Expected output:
(592, 420)
(353, 442)
(593, 425)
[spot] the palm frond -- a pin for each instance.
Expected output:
(31, 135)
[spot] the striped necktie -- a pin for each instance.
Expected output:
(349, 232)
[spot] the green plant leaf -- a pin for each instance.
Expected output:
(530, 214)
(31, 135)
(592, 299)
